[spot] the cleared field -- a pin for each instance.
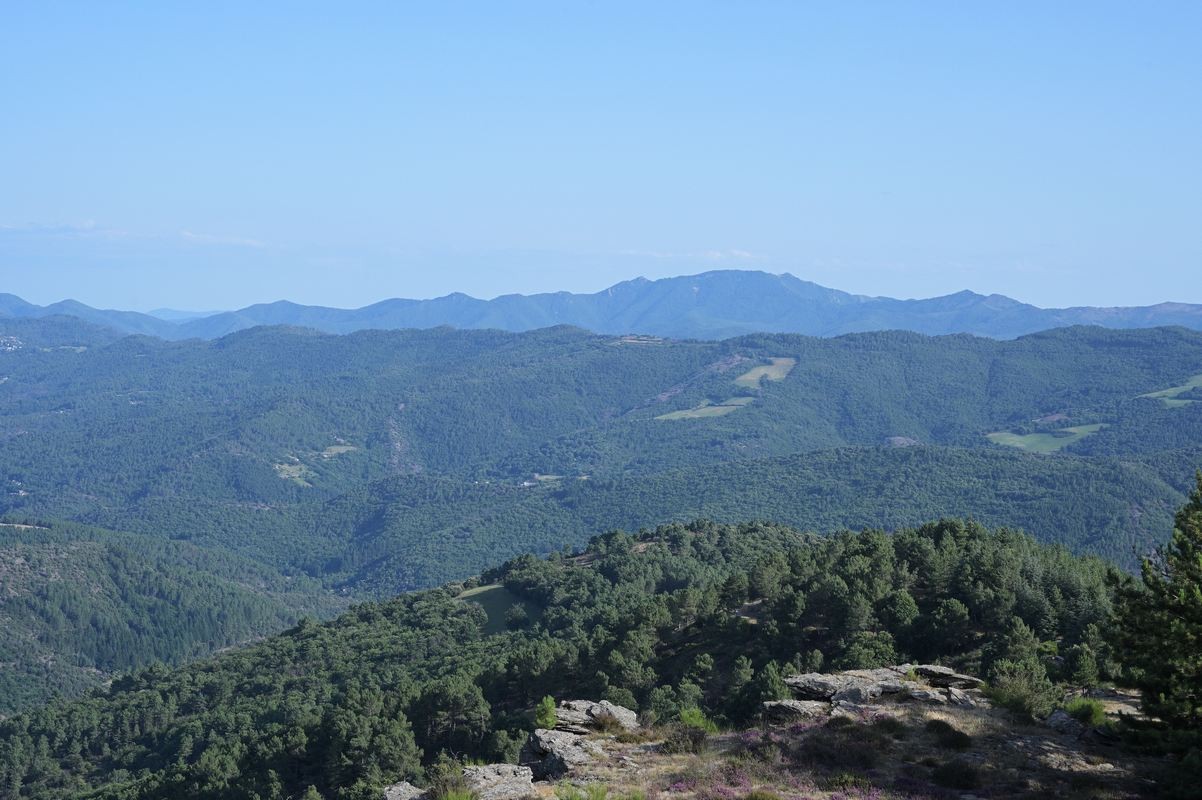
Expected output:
(496, 601)
(1170, 396)
(708, 409)
(337, 450)
(778, 370)
(1048, 442)
(294, 471)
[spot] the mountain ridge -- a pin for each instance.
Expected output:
(718, 304)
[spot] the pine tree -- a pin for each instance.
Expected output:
(544, 713)
(1159, 622)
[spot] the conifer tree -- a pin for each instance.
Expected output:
(1159, 622)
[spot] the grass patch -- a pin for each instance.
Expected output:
(778, 370)
(1046, 442)
(1086, 711)
(708, 409)
(337, 450)
(294, 471)
(1170, 397)
(496, 601)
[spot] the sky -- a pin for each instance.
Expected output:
(212, 155)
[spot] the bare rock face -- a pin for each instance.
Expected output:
(585, 716)
(944, 677)
(1063, 722)
(550, 755)
(785, 711)
(857, 688)
(500, 781)
(403, 791)
(817, 685)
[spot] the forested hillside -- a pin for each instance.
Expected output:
(359, 466)
(699, 615)
(79, 604)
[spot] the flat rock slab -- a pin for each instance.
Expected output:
(794, 710)
(945, 677)
(499, 781)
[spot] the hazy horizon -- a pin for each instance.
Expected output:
(225, 155)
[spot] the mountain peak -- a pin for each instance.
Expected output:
(716, 304)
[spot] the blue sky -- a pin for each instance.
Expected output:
(211, 155)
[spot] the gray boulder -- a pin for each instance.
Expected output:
(583, 716)
(932, 696)
(403, 791)
(499, 781)
(553, 754)
(785, 711)
(1062, 722)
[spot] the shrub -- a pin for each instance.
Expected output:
(447, 781)
(544, 713)
(694, 717)
(957, 774)
(890, 726)
(1086, 711)
(1023, 687)
(689, 734)
(845, 782)
(845, 746)
(948, 736)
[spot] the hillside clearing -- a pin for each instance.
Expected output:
(1048, 442)
(778, 370)
(496, 601)
(708, 409)
(1171, 396)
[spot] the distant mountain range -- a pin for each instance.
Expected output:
(712, 305)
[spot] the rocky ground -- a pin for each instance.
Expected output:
(913, 731)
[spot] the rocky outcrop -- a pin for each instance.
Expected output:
(858, 691)
(552, 754)
(1063, 722)
(499, 781)
(586, 716)
(785, 711)
(942, 677)
(403, 791)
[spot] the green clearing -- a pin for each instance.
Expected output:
(1171, 396)
(496, 600)
(1048, 442)
(337, 450)
(708, 409)
(294, 471)
(778, 370)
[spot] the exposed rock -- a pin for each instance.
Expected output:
(817, 685)
(945, 677)
(858, 693)
(403, 791)
(959, 697)
(853, 710)
(583, 716)
(933, 696)
(794, 710)
(552, 754)
(1062, 722)
(499, 781)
